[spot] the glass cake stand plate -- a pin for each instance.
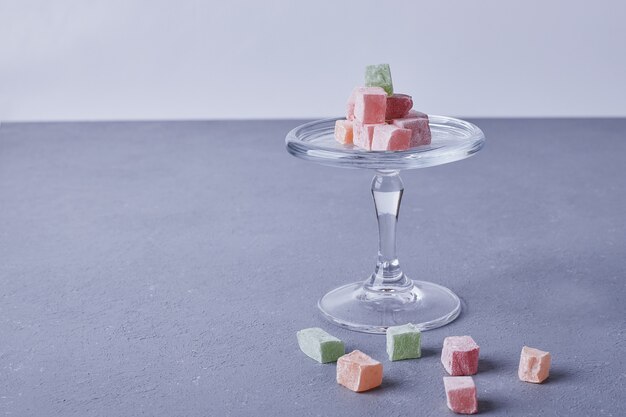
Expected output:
(388, 297)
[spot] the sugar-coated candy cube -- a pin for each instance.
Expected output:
(370, 105)
(391, 138)
(350, 103)
(343, 131)
(403, 342)
(359, 372)
(415, 113)
(420, 129)
(398, 106)
(319, 345)
(363, 135)
(534, 365)
(461, 394)
(379, 76)
(460, 355)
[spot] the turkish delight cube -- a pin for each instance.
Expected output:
(534, 365)
(403, 342)
(461, 394)
(319, 345)
(370, 105)
(358, 372)
(460, 355)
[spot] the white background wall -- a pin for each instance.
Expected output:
(105, 59)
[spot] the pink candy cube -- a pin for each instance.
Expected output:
(534, 365)
(461, 394)
(359, 372)
(370, 105)
(460, 355)
(363, 135)
(420, 129)
(398, 106)
(343, 131)
(350, 103)
(390, 138)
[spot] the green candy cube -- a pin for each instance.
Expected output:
(403, 342)
(319, 345)
(379, 76)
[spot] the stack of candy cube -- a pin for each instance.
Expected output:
(379, 120)
(459, 357)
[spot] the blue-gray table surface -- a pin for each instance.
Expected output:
(163, 268)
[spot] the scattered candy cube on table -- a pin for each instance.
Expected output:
(370, 105)
(403, 342)
(398, 106)
(461, 394)
(319, 345)
(344, 131)
(391, 138)
(358, 372)
(534, 365)
(379, 76)
(363, 134)
(420, 129)
(460, 355)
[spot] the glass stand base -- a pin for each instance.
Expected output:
(424, 304)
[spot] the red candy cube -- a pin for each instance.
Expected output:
(415, 113)
(398, 106)
(419, 127)
(460, 355)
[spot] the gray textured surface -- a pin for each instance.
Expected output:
(163, 269)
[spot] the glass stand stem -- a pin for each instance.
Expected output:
(387, 189)
(388, 297)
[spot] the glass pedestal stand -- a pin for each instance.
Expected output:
(388, 297)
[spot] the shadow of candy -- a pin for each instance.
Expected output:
(557, 376)
(389, 383)
(428, 352)
(488, 405)
(486, 365)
